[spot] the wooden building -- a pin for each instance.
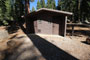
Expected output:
(47, 21)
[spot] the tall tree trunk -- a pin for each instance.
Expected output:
(27, 11)
(79, 2)
(27, 7)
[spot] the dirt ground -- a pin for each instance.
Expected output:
(73, 45)
(48, 47)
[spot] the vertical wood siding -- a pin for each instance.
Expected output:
(47, 23)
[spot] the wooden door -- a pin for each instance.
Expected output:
(44, 27)
(56, 26)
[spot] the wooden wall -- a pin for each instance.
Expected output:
(47, 23)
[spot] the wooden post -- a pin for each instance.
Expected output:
(65, 26)
(72, 30)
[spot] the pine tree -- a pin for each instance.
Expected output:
(53, 4)
(33, 9)
(71, 6)
(49, 3)
(8, 5)
(38, 5)
(42, 2)
(5, 11)
(59, 4)
(80, 8)
(85, 7)
(17, 8)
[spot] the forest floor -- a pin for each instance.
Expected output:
(48, 47)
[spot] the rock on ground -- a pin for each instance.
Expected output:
(3, 35)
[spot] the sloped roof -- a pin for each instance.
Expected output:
(52, 10)
(49, 10)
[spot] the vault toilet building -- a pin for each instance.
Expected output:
(47, 21)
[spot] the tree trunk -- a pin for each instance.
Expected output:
(27, 7)
(27, 11)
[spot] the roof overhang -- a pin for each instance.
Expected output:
(57, 11)
(49, 10)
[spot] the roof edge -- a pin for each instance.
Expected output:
(58, 11)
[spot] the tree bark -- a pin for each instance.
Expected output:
(27, 7)
(27, 11)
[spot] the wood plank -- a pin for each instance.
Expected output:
(65, 26)
(78, 24)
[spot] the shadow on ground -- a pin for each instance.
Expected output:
(85, 42)
(50, 51)
(14, 26)
(25, 54)
(12, 29)
(47, 49)
(22, 51)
